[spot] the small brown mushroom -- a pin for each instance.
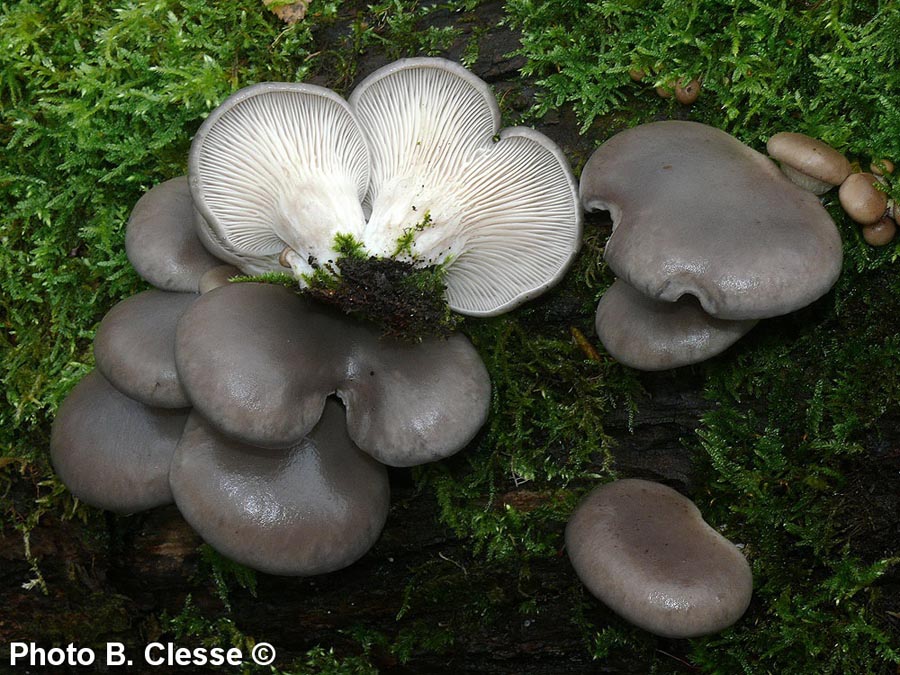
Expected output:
(808, 162)
(636, 74)
(862, 201)
(881, 167)
(686, 94)
(881, 233)
(664, 91)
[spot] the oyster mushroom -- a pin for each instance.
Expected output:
(258, 362)
(862, 201)
(111, 451)
(646, 552)
(161, 242)
(311, 508)
(415, 167)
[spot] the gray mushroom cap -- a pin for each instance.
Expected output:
(651, 335)
(313, 508)
(646, 552)
(697, 212)
(161, 242)
(135, 347)
(111, 451)
(217, 276)
(258, 362)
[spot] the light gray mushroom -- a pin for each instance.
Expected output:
(309, 509)
(111, 451)
(258, 362)
(646, 552)
(696, 212)
(651, 335)
(161, 242)
(135, 347)
(808, 162)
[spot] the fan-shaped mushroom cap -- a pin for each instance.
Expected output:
(651, 335)
(504, 210)
(135, 347)
(697, 212)
(217, 276)
(279, 164)
(808, 162)
(646, 552)
(161, 242)
(313, 508)
(258, 362)
(862, 201)
(111, 451)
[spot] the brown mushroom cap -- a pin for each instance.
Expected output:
(111, 451)
(697, 212)
(809, 157)
(651, 335)
(862, 201)
(135, 347)
(880, 167)
(258, 362)
(687, 94)
(881, 233)
(310, 509)
(646, 552)
(161, 241)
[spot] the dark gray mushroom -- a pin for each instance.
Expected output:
(111, 451)
(651, 335)
(161, 241)
(258, 362)
(646, 552)
(309, 509)
(135, 347)
(697, 212)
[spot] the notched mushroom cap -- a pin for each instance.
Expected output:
(808, 162)
(646, 552)
(651, 335)
(161, 242)
(279, 164)
(501, 210)
(135, 347)
(111, 451)
(697, 212)
(258, 362)
(313, 508)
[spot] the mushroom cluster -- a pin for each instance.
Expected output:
(646, 552)
(708, 238)
(223, 397)
(817, 167)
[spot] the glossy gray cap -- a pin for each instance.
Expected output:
(697, 212)
(258, 362)
(111, 451)
(651, 335)
(135, 347)
(646, 552)
(310, 509)
(161, 242)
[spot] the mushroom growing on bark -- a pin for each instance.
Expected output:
(414, 167)
(646, 552)
(697, 213)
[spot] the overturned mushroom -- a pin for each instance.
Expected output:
(410, 169)
(808, 162)
(646, 552)
(312, 508)
(258, 362)
(111, 451)
(672, 334)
